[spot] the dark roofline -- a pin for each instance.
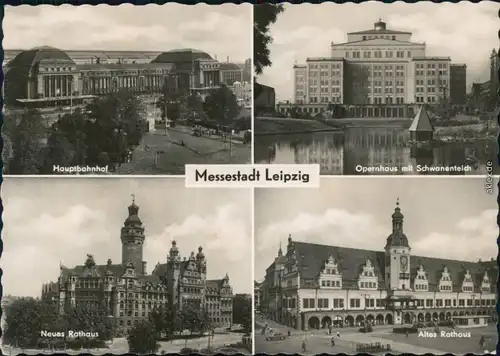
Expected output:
(371, 39)
(324, 59)
(382, 251)
(367, 32)
(91, 50)
(431, 58)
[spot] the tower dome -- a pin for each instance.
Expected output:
(380, 25)
(397, 238)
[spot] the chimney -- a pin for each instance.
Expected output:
(144, 266)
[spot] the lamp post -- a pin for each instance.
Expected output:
(71, 95)
(366, 296)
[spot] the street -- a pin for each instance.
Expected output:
(177, 148)
(318, 341)
(120, 346)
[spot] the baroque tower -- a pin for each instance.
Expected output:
(132, 237)
(397, 255)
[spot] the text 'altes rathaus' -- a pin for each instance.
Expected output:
(130, 294)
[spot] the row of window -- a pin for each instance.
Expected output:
(355, 303)
(331, 284)
(325, 65)
(378, 54)
(431, 73)
(431, 65)
(333, 73)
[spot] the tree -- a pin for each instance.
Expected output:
(68, 142)
(264, 15)
(164, 319)
(194, 320)
(116, 124)
(195, 104)
(90, 318)
(142, 339)
(170, 103)
(242, 311)
(25, 318)
(221, 106)
(59, 152)
(27, 144)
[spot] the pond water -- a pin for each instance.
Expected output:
(349, 151)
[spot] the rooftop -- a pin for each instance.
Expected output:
(380, 27)
(181, 55)
(311, 259)
(421, 122)
(32, 57)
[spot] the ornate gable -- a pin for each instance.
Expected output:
(467, 282)
(445, 282)
(421, 282)
(330, 276)
(367, 278)
(485, 283)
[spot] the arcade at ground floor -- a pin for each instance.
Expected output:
(344, 319)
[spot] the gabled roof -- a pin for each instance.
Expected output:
(421, 122)
(378, 42)
(311, 259)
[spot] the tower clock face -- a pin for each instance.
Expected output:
(404, 263)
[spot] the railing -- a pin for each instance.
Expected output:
(372, 347)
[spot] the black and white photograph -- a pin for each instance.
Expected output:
(377, 89)
(377, 266)
(101, 266)
(126, 90)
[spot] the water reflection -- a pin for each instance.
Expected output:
(340, 153)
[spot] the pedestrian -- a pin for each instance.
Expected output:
(338, 334)
(482, 341)
(406, 334)
(304, 346)
(333, 341)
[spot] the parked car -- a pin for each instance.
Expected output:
(276, 336)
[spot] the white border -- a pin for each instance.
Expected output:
(252, 253)
(252, 83)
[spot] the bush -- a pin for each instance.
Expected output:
(188, 351)
(447, 323)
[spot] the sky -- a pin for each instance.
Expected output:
(48, 221)
(451, 218)
(223, 30)
(466, 32)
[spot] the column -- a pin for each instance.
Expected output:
(51, 91)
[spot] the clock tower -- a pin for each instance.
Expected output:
(397, 255)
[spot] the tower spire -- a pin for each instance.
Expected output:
(397, 218)
(280, 251)
(133, 198)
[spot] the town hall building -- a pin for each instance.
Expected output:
(129, 293)
(317, 286)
